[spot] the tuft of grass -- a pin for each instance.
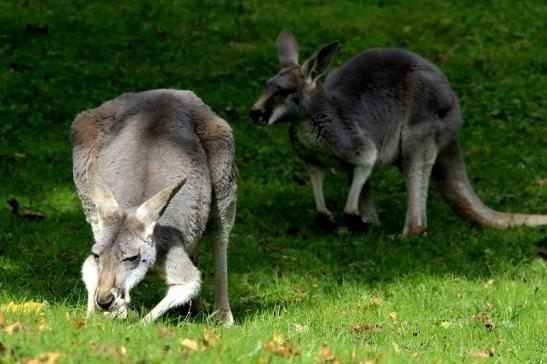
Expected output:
(456, 295)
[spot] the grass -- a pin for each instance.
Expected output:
(456, 295)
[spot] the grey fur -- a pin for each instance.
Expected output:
(130, 156)
(383, 106)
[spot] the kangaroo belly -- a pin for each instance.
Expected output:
(312, 148)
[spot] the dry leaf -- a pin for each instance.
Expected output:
(43, 325)
(301, 329)
(542, 182)
(123, 350)
(326, 356)
(445, 324)
(280, 347)
(277, 337)
(480, 354)
(166, 333)
(395, 347)
(488, 323)
(441, 57)
(488, 283)
(15, 327)
(393, 317)
(414, 354)
(30, 306)
(210, 337)
(190, 344)
(297, 288)
(44, 358)
(79, 324)
(356, 329)
(107, 348)
(2, 320)
(31, 214)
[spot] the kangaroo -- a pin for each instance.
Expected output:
(154, 171)
(383, 106)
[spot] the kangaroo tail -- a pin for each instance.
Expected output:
(450, 176)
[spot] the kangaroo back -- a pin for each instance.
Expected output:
(140, 143)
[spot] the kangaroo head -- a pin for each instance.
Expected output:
(124, 248)
(284, 97)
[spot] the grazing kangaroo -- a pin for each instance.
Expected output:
(383, 106)
(131, 157)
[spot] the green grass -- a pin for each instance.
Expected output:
(457, 292)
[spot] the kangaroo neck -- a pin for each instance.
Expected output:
(310, 101)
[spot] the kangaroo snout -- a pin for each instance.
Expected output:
(105, 301)
(259, 115)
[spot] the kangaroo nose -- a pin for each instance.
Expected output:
(106, 301)
(257, 115)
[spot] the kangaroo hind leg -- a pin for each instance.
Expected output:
(416, 167)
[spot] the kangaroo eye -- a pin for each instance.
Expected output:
(96, 257)
(132, 259)
(284, 91)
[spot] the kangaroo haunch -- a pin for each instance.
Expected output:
(154, 171)
(383, 106)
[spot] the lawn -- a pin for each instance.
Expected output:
(459, 294)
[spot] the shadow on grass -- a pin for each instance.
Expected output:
(42, 259)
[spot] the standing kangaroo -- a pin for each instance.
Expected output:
(383, 106)
(131, 157)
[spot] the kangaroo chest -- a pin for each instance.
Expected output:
(309, 144)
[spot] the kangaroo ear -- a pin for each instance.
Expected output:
(319, 63)
(151, 210)
(104, 201)
(287, 49)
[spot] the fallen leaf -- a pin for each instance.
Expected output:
(480, 354)
(395, 347)
(280, 347)
(44, 358)
(79, 324)
(326, 356)
(158, 32)
(356, 329)
(31, 214)
(166, 333)
(106, 348)
(489, 306)
(210, 337)
(297, 288)
(393, 317)
(190, 344)
(123, 350)
(445, 324)
(488, 323)
(29, 306)
(15, 327)
(488, 283)
(542, 182)
(441, 57)
(373, 302)
(2, 320)
(43, 325)
(301, 329)
(414, 354)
